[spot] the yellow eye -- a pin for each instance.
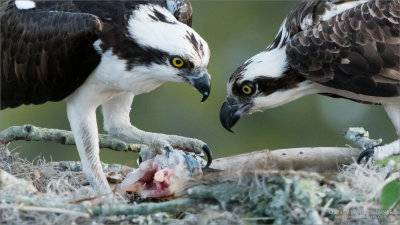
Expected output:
(247, 90)
(177, 62)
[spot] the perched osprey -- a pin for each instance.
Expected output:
(347, 49)
(94, 53)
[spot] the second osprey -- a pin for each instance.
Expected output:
(347, 49)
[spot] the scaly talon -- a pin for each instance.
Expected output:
(207, 150)
(367, 154)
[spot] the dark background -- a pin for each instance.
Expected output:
(235, 31)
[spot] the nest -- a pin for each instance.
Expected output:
(44, 192)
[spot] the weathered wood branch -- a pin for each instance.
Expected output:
(32, 133)
(321, 159)
(76, 166)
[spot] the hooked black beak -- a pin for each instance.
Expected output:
(231, 113)
(202, 84)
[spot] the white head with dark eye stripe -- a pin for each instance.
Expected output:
(183, 54)
(262, 82)
(172, 36)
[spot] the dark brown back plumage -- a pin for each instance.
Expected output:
(45, 55)
(357, 50)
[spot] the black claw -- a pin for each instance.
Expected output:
(207, 150)
(368, 153)
(168, 150)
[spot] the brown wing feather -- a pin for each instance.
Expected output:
(314, 8)
(305, 8)
(45, 55)
(182, 10)
(357, 50)
(185, 13)
(306, 15)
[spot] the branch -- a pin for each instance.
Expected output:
(31, 133)
(319, 159)
(76, 166)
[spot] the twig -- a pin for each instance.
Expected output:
(75, 166)
(257, 218)
(49, 210)
(173, 206)
(29, 132)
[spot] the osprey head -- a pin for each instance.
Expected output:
(262, 82)
(175, 52)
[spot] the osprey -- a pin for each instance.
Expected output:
(338, 48)
(94, 53)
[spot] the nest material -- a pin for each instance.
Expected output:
(62, 196)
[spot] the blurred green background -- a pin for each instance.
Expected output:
(235, 30)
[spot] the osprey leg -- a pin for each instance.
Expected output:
(81, 109)
(117, 123)
(380, 152)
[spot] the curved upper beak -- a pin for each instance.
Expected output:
(202, 84)
(230, 113)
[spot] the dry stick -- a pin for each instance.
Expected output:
(48, 210)
(77, 166)
(321, 159)
(31, 133)
(310, 159)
